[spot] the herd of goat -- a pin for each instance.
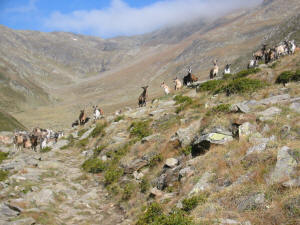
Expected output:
(43, 137)
(38, 137)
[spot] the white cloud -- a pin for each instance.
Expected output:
(121, 19)
(23, 9)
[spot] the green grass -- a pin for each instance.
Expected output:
(82, 143)
(140, 129)
(3, 156)
(118, 118)
(112, 175)
(222, 108)
(3, 175)
(98, 150)
(94, 165)
(9, 123)
(210, 85)
(188, 204)
(157, 158)
(144, 185)
(81, 132)
(183, 102)
(245, 73)
(154, 215)
(98, 130)
(186, 151)
(288, 76)
(47, 149)
(241, 86)
(128, 190)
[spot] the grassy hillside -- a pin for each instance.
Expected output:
(9, 123)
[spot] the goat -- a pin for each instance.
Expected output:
(34, 142)
(82, 118)
(189, 78)
(18, 140)
(270, 55)
(165, 87)
(143, 97)
(227, 69)
(292, 47)
(96, 114)
(75, 123)
(214, 71)
(281, 50)
(252, 63)
(258, 55)
(27, 142)
(178, 84)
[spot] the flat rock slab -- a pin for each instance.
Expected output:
(270, 112)
(274, 99)
(214, 138)
(285, 166)
(171, 162)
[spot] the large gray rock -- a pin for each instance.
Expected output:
(61, 143)
(257, 148)
(186, 135)
(25, 221)
(203, 184)
(274, 99)
(295, 106)
(7, 211)
(240, 107)
(214, 138)
(135, 165)
(246, 129)
(171, 162)
(269, 113)
(286, 165)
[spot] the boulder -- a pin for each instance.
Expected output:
(203, 184)
(186, 135)
(154, 192)
(270, 112)
(286, 165)
(135, 165)
(240, 107)
(295, 106)
(171, 162)
(274, 99)
(185, 173)
(6, 211)
(246, 129)
(214, 138)
(257, 148)
(137, 175)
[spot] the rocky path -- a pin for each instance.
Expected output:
(50, 188)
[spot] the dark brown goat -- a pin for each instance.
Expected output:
(143, 97)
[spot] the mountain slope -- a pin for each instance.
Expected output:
(9, 123)
(72, 71)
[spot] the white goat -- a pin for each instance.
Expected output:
(293, 47)
(227, 69)
(97, 113)
(252, 63)
(166, 88)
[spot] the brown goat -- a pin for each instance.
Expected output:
(143, 97)
(82, 118)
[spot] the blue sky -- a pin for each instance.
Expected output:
(109, 18)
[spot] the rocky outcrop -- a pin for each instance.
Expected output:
(186, 135)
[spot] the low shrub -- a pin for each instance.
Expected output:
(144, 185)
(98, 150)
(183, 102)
(82, 143)
(189, 204)
(285, 77)
(112, 175)
(128, 191)
(240, 86)
(210, 85)
(46, 149)
(296, 76)
(3, 156)
(94, 165)
(187, 150)
(179, 99)
(3, 175)
(118, 118)
(81, 132)
(154, 215)
(245, 73)
(155, 160)
(222, 108)
(140, 129)
(98, 130)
